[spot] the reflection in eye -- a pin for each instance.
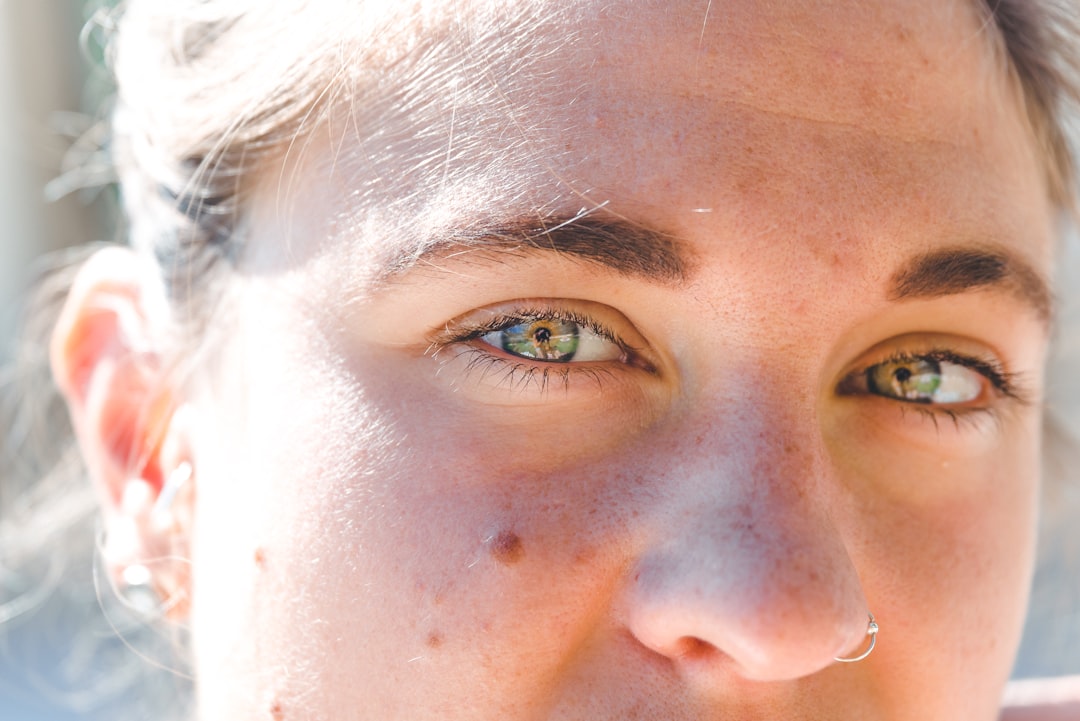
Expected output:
(554, 340)
(925, 380)
(546, 339)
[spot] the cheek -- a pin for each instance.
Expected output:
(446, 589)
(950, 570)
(363, 525)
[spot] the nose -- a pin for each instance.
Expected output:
(749, 575)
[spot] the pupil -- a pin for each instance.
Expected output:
(542, 335)
(902, 374)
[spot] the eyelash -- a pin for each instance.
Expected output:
(1007, 385)
(519, 373)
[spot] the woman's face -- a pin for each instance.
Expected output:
(776, 364)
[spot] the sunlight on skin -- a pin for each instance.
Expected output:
(648, 502)
(542, 439)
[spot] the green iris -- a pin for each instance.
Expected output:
(547, 339)
(916, 380)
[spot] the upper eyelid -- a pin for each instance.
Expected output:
(998, 377)
(917, 346)
(508, 320)
(1008, 384)
(461, 329)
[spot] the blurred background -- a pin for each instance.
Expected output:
(50, 90)
(54, 193)
(52, 86)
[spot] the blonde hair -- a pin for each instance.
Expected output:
(211, 90)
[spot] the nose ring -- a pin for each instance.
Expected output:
(871, 631)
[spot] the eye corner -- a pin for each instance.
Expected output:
(852, 383)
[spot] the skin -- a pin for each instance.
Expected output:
(378, 530)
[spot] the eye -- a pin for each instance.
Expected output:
(529, 346)
(959, 385)
(926, 380)
(554, 340)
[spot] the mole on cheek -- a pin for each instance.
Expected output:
(434, 639)
(505, 547)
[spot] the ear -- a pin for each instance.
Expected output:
(108, 359)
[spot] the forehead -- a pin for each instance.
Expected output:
(848, 59)
(836, 116)
(736, 85)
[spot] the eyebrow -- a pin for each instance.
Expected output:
(637, 250)
(952, 271)
(625, 247)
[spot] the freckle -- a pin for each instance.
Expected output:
(584, 556)
(434, 639)
(277, 712)
(506, 547)
(260, 557)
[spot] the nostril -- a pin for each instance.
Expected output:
(695, 655)
(693, 649)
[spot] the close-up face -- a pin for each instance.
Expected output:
(690, 335)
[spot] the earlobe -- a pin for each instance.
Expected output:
(146, 542)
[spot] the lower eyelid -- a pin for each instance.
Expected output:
(524, 378)
(959, 418)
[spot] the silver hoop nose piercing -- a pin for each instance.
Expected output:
(871, 631)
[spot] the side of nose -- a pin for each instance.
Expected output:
(748, 575)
